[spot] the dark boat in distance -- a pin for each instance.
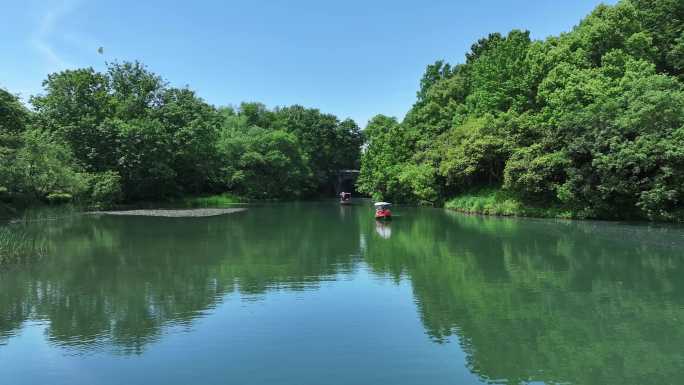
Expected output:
(345, 198)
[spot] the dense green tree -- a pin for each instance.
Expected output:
(433, 74)
(473, 154)
(383, 159)
(273, 165)
(34, 164)
(591, 120)
(349, 139)
(138, 138)
(159, 140)
(192, 127)
(74, 105)
(262, 163)
(136, 91)
(43, 167)
(144, 154)
(13, 115)
(256, 114)
(330, 145)
(498, 76)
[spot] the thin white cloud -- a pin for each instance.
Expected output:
(48, 29)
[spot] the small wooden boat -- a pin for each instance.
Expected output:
(382, 211)
(345, 198)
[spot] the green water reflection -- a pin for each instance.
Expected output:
(504, 300)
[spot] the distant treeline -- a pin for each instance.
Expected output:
(591, 121)
(125, 135)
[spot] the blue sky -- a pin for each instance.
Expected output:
(352, 58)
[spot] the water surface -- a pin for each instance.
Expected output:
(315, 293)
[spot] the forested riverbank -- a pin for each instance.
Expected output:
(124, 135)
(588, 124)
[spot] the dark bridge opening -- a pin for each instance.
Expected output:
(349, 186)
(346, 181)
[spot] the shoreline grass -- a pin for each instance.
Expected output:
(219, 200)
(186, 202)
(495, 202)
(18, 246)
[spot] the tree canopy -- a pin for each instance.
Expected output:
(592, 120)
(126, 135)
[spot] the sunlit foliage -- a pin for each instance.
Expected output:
(592, 120)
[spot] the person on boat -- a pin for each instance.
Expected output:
(382, 210)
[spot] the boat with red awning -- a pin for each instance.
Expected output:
(382, 211)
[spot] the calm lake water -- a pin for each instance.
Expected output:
(315, 293)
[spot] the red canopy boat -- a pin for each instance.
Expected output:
(382, 211)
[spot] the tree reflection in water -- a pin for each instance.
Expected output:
(528, 300)
(537, 300)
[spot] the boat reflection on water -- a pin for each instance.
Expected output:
(384, 229)
(345, 210)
